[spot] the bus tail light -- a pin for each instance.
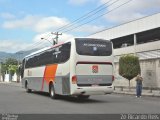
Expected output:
(113, 78)
(74, 79)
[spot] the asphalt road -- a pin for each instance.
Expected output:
(14, 99)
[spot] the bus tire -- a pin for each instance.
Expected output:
(52, 93)
(83, 96)
(27, 89)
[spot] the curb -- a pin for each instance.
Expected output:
(143, 94)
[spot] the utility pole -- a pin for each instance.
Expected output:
(56, 38)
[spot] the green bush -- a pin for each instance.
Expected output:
(129, 66)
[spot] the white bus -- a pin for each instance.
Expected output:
(80, 67)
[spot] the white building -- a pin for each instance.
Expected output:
(140, 37)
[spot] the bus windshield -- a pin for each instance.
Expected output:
(93, 47)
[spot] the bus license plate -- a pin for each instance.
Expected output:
(94, 85)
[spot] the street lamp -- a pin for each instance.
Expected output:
(48, 41)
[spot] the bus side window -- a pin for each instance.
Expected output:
(65, 53)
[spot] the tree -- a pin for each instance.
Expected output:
(129, 67)
(11, 61)
(12, 69)
(3, 70)
(10, 66)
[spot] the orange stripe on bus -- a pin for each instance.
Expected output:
(49, 74)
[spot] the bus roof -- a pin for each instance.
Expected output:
(44, 49)
(47, 48)
(38, 51)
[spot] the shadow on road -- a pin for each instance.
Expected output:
(70, 98)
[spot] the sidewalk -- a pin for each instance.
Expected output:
(12, 84)
(154, 93)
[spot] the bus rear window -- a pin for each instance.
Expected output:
(93, 47)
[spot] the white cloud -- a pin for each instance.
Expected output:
(13, 46)
(79, 2)
(65, 37)
(36, 23)
(89, 28)
(7, 15)
(27, 22)
(42, 24)
(133, 10)
(50, 23)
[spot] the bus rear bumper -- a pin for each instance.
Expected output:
(96, 90)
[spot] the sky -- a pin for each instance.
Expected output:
(24, 22)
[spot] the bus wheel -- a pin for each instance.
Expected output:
(83, 96)
(52, 92)
(27, 89)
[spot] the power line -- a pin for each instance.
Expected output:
(36, 44)
(31, 46)
(47, 40)
(84, 16)
(96, 17)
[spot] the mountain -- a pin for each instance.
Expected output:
(18, 55)
(4, 55)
